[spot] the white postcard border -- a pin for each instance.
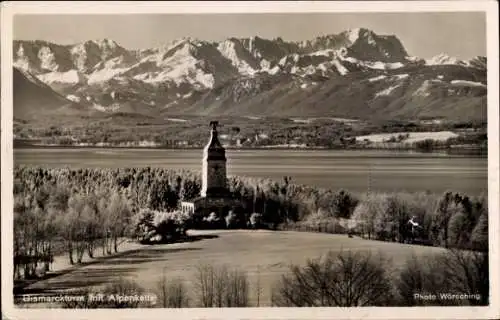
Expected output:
(131, 7)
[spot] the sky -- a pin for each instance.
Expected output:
(423, 34)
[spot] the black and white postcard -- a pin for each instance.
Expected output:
(250, 160)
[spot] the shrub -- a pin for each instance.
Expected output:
(446, 209)
(421, 277)
(235, 220)
(397, 210)
(255, 220)
(172, 294)
(422, 206)
(453, 272)
(367, 214)
(468, 272)
(159, 226)
(345, 279)
(218, 286)
(426, 145)
(237, 291)
(479, 237)
(344, 204)
(213, 221)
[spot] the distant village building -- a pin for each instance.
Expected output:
(215, 195)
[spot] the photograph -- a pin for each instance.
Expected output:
(244, 159)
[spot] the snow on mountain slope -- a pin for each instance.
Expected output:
(271, 50)
(105, 74)
(47, 59)
(68, 77)
(340, 68)
(387, 91)
(21, 59)
(376, 65)
(468, 83)
(73, 98)
(353, 35)
(424, 89)
(182, 66)
(203, 64)
(233, 50)
(86, 56)
(41, 56)
(478, 63)
(377, 78)
(326, 53)
(401, 76)
(188, 74)
(197, 63)
(406, 95)
(443, 59)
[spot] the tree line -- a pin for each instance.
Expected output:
(452, 220)
(324, 133)
(78, 211)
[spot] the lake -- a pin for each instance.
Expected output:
(355, 171)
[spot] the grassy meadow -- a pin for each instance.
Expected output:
(263, 255)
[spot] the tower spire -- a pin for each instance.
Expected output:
(214, 143)
(214, 125)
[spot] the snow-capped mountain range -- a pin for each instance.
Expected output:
(196, 76)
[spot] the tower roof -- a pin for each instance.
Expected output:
(214, 149)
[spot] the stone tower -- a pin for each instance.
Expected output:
(214, 178)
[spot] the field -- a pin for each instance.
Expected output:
(412, 136)
(355, 171)
(264, 255)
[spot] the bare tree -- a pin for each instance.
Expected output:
(73, 227)
(173, 293)
(454, 272)
(118, 217)
(205, 281)
(162, 289)
(258, 287)
(344, 279)
(103, 222)
(237, 289)
(221, 284)
(178, 294)
(421, 276)
(479, 236)
(468, 272)
(221, 287)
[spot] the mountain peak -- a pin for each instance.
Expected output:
(478, 62)
(443, 58)
(354, 34)
(190, 40)
(365, 44)
(268, 75)
(101, 43)
(107, 42)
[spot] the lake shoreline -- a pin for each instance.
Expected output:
(354, 170)
(479, 152)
